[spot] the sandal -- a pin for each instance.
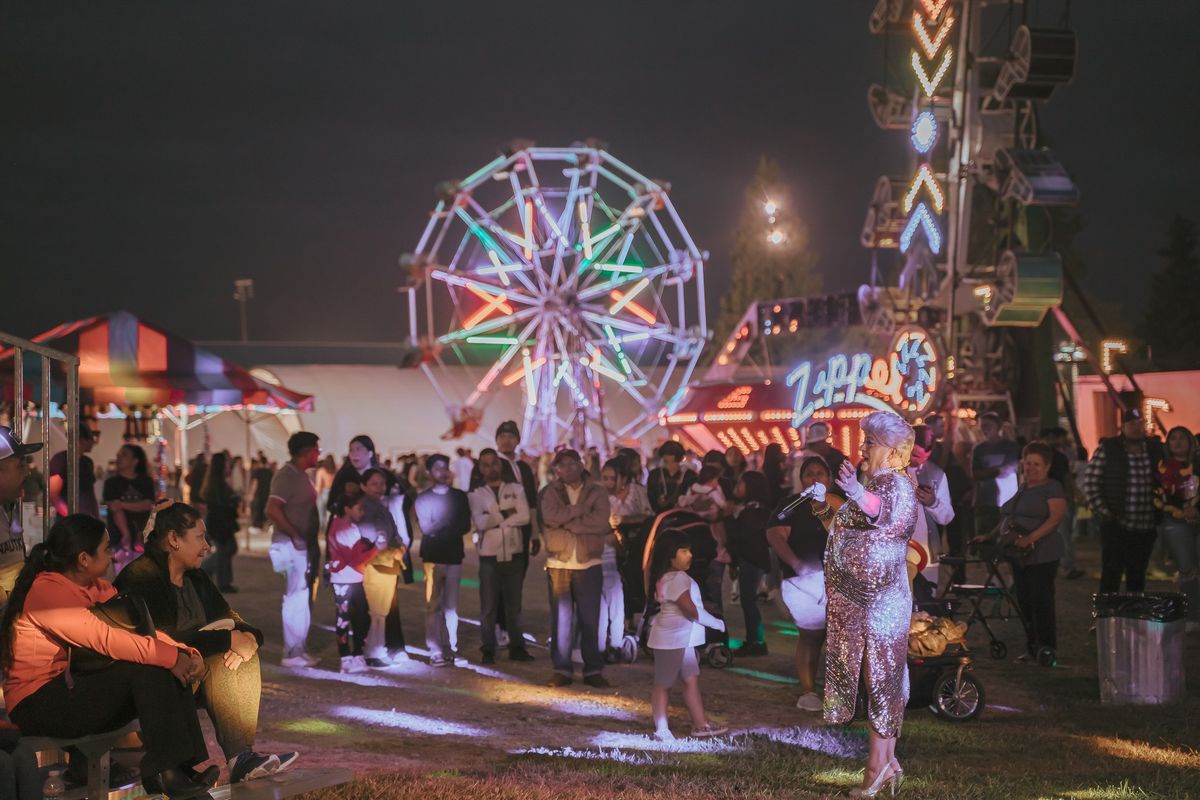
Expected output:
(709, 731)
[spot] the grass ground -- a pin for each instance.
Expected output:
(498, 733)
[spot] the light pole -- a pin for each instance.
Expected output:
(243, 290)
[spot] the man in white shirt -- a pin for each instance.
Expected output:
(574, 527)
(933, 493)
(499, 511)
(292, 509)
(464, 465)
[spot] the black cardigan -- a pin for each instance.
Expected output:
(149, 578)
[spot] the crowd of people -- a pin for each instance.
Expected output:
(637, 551)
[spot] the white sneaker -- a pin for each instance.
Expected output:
(501, 637)
(311, 659)
(353, 664)
(295, 662)
(664, 735)
(810, 702)
(400, 656)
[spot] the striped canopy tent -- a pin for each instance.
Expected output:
(131, 368)
(128, 362)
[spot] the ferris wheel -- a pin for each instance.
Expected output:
(565, 275)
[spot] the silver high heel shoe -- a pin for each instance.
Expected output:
(886, 779)
(898, 772)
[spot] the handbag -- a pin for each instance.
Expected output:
(1010, 532)
(126, 612)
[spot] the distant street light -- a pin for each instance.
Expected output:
(243, 290)
(770, 207)
(775, 237)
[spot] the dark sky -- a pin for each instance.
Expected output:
(153, 152)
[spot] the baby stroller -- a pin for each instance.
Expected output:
(632, 543)
(941, 677)
(946, 684)
(715, 651)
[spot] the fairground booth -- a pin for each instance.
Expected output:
(838, 387)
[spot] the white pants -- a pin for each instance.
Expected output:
(612, 603)
(297, 616)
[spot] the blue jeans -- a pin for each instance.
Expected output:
(1183, 540)
(575, 600)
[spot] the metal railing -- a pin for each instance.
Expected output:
(19, 349)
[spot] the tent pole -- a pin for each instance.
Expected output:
(183, 451)
(247, 468)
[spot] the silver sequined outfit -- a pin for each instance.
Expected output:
(870, 606)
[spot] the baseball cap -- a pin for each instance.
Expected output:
(508, 426)
(11, 446)
(1131, 414)
(566, 453)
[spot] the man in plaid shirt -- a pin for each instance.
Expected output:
(1120, 484)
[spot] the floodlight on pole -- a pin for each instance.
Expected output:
(243, 290)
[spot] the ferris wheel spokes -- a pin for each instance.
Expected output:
(575, 292)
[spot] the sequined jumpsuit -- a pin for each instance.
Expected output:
(870, 605)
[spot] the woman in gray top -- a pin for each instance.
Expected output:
(1035, 512)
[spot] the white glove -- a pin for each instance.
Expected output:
(817, 492)
(848, 479)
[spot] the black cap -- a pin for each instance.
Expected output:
(1131, 414)
(11, 446)
(508, 426)
(566, 452)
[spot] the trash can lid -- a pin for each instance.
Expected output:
(1154, 606)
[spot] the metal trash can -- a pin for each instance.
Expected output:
(1139, 643)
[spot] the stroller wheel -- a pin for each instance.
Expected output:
(998, 649)
(718, 656)
(1046, 657)
(629, 649)
(957, 696)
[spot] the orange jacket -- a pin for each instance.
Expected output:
(56, 616)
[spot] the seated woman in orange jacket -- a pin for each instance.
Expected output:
(150, 679)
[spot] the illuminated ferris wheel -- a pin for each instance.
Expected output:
(565, 275)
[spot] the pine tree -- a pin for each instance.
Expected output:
(1172, 323)
(770, 254)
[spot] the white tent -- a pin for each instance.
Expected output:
(399, 408)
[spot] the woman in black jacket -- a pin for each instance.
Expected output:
(746, 539)
(185, 604)
(221, 520)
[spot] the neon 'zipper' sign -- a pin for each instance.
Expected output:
(905, 380)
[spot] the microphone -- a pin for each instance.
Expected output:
(804, 496)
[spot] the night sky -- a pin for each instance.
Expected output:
(153, 152)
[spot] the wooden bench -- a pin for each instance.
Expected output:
(288, 784)
(97, 749)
